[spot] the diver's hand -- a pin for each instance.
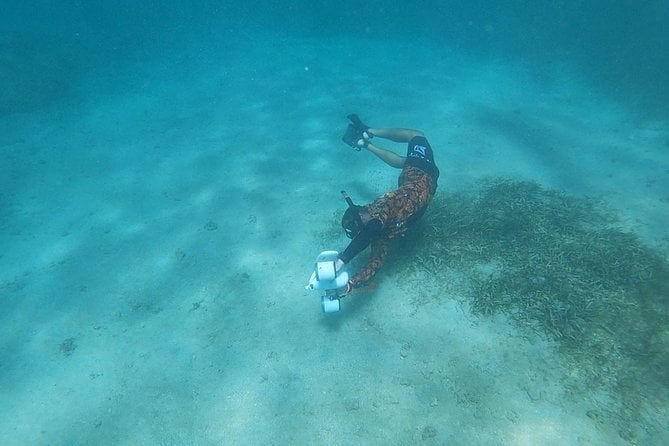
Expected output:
(347, 288)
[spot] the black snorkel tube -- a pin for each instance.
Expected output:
(352, 221)
(347, 198)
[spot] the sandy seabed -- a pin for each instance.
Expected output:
(157, 240)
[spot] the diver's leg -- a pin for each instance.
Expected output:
(395, 134)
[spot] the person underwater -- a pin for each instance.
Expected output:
(395, 212)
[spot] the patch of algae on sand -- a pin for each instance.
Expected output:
(559, 266)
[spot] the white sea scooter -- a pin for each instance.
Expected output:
(326, 277)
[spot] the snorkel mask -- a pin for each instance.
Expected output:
(351, 221)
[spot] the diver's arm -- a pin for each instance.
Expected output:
(379, 252)
(397, 135)
(387, 156)
(371, 231)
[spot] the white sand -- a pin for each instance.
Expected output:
(188, 332)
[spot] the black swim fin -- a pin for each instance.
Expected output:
(352, 136)
(359, 126)
(355, 132)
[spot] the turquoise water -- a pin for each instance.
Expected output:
(171, 170)
(51, 48)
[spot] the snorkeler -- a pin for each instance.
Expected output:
(393, 213)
